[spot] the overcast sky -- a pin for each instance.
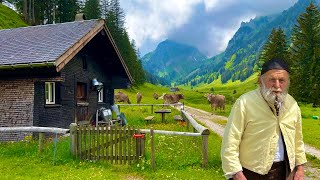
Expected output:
(205, 24)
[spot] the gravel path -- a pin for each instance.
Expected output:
(207, 119)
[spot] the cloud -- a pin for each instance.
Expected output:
(205, 24)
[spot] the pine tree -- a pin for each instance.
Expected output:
(305, 59)
(92, 9)
(115, 22)
(275, 47)
(66, 11)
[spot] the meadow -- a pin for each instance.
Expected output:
(177, 157)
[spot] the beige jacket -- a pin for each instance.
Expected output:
(252, 132)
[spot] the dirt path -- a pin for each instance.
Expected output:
(208, 119)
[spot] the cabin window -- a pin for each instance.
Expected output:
(50, 92)
(100, 95)
(81, 91)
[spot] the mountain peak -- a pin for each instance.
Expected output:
(171, 60)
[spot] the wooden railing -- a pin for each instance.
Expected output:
(34, 129)
(199, 130)
(152, 105)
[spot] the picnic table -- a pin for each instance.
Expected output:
(163, 113)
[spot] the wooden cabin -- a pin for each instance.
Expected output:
(53, 75)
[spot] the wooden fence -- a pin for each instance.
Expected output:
(34, 129)
(152, 105)
(118, 145)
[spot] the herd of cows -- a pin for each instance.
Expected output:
(216, 101)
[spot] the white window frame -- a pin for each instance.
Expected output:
(50, 92)
(100, 95)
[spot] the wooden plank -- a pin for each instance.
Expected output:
(35, 129)
(107, 143)
(80, 139)
(126, 136)
(116, 145)
(90, 142)
(112, 145)
(85, 133)
(130, 144)
(98, 143)
(149, 118)
(102, 142)
(94, 144)
(205, 153)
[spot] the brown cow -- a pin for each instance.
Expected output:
(121, 97)
(139, 97)
(217, 101)
(155, 96)
(172, 98)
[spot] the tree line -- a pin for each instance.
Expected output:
(302, 55)
(36, 12)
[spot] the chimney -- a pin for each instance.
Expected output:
(80, 17)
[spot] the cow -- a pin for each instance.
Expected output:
(172, 98)
(121, 97)
(217, 101)
(155, 96)
(139, 97)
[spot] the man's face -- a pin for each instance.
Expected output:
(277, 80)
(274, 83)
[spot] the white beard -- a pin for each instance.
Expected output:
(271, 97)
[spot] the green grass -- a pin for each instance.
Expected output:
(9, 18)
(177, 157)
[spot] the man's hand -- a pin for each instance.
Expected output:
(239, 176)
(299, 175)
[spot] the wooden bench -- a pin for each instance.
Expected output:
(148, 118)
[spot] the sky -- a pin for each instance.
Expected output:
(205, 24)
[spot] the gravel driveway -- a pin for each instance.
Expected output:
(208, 119)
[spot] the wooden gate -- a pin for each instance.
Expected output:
(119, 145)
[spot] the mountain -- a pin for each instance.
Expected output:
(237, 62)
(9, 18)
(172, 60)
(239, 59)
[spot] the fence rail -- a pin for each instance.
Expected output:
(34, 129)
(152, 105)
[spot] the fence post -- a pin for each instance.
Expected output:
(153, 163)
(205, 150)
(73, 139)
(41, 141)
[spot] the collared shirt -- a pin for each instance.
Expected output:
(252, 133)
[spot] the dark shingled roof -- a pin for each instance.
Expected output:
(44, 43)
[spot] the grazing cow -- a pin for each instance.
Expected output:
(217, 101)
(172, 98)
(155, 96)
(139, 97)
(121, 97)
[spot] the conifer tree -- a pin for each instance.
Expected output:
(275, 47)
(115, 22)
(92, 9)
(305, 59)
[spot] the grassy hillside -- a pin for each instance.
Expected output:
(9, 18)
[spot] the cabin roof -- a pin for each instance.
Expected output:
(53, 43)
